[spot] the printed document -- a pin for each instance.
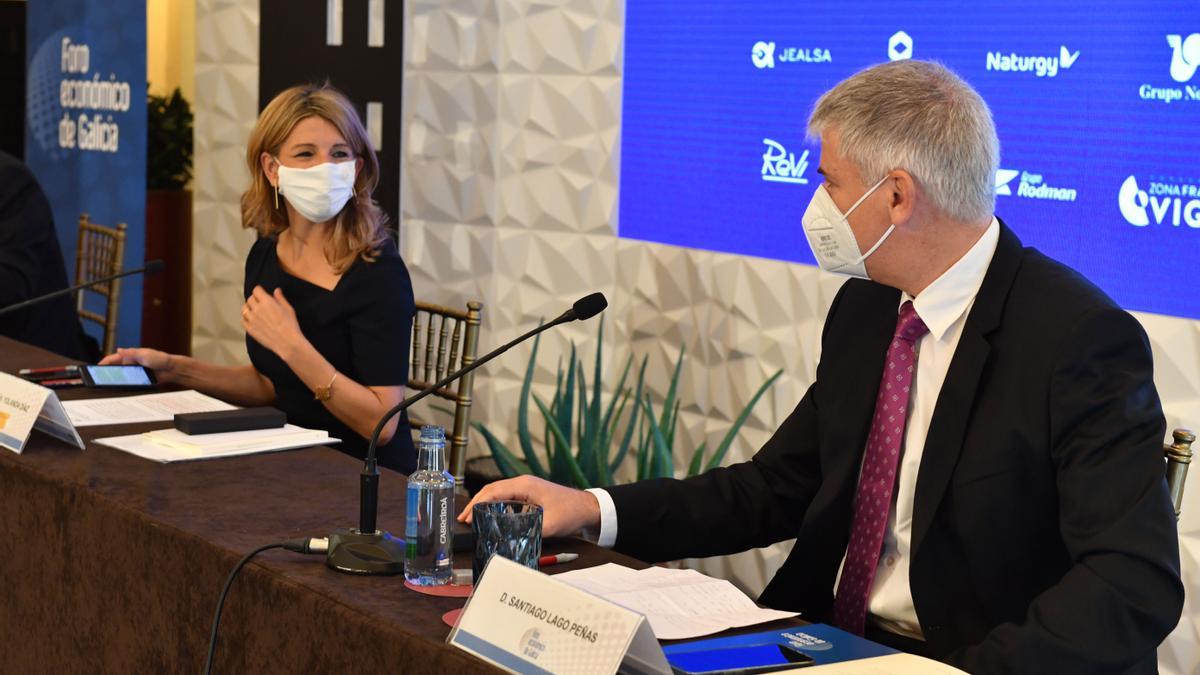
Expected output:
(138, 409)
(678, 603)
(172, 445)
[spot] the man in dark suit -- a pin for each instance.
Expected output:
(31, 264)
(976, 473)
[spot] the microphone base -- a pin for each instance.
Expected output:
(375, 553)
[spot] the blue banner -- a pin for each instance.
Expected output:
(85, 137)
(1097, 108)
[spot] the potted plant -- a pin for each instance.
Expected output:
(585, 440)
(167, 297)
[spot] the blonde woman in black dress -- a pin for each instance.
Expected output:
(329, 302)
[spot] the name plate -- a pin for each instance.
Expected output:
(25, 406)
(526, 622)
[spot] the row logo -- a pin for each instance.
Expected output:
(781, 166)
(1185, 59)
(1164, 203)
(1032, 186)
(900, 46)
(764, 55)
(1041, 66)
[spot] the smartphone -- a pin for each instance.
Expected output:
(117, 376)
(742, 660)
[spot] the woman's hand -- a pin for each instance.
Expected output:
(271, 321)
(159, 362)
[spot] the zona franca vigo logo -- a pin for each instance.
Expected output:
(1185, 59)
(781, 166)
(1032, 186)
(1174, 202)
(1042, 66)
(763, 55)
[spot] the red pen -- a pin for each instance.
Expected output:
(48, 371)
(556, 559)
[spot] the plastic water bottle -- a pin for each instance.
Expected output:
(428, 538)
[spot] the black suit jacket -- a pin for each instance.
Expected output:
(31, 264)
(1043, 539)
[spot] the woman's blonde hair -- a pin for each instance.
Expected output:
(359, 228)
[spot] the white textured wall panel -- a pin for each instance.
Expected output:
(226, 108)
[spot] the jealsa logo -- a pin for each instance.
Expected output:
(781, 166)
(1185, 59)
(1174, 203)
(1032, 186)
(763, 55)
(1042, 66)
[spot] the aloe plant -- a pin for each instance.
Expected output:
(656, 458)
(580, 431)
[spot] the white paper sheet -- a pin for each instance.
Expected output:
(678, 603)
(172, 445)
(138, 409)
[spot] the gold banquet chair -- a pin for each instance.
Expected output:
(98, 254)
(1179, 456)
(443, 341)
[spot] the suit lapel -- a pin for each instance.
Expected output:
(951, 414)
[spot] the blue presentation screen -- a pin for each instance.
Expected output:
(1097, 107)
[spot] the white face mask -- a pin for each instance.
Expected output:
(830, 237)
(318, 192)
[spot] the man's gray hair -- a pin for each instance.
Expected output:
(921, 117)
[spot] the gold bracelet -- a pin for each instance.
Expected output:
(325, 393)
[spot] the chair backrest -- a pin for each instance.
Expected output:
(1179, 456)
(443, 341)
(99, 253)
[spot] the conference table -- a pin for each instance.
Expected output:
(112, 563)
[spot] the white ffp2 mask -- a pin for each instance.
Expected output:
(830, 237)
(318, 192)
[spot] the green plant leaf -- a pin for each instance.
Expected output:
(719, 455)
(506, 461)
(670, 402)
(660, 464)
(523, 434)
(697, 460)
(632, 423)
(574, 472)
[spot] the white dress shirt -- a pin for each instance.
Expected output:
(943, 306)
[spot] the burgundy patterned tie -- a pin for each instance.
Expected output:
(878, 478)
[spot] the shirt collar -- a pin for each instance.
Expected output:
(944, 301)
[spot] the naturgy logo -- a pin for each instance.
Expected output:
(1174, 203)
(1042, 66)
(781, 166)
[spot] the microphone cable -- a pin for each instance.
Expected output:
(309, 545)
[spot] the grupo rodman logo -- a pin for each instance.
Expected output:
(1162, 203)
(764, 55)
(781, 166)
(1185, 59)
(1032, 186)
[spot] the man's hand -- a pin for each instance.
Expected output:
(565, 510)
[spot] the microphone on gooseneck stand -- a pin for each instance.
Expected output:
(366, 550)
(152, 267)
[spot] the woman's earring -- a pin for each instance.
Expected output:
(276, 197)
